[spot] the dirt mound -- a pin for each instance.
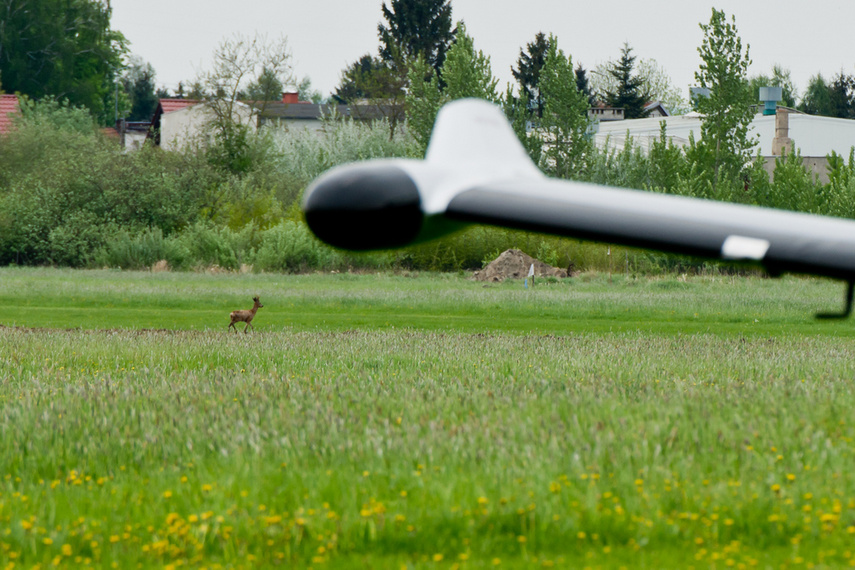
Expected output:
(514, 264)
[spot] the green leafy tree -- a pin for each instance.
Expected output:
(655, 82)
(583, 85)
(563, 127)
(780, 77)
(373, 84)
(727, 111)
(307, 93)
(356, 80)
(518, 111)
(817, 98)
(267, 87)
(467, 73)
(61, 48)
(51, 113)
(236, 61)
(842, 96)
(527, 72)
(659, 87)
(628, 93)
(138, 85)
(424, 98)
(416, 28)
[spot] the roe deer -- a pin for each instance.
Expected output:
(245, 316)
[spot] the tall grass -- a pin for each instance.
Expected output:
(418, 448)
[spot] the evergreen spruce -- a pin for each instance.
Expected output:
(629, 94)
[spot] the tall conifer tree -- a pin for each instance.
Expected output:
(629, 93)
(416, 28)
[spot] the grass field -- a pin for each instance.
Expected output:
(424, 421)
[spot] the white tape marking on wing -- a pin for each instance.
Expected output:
(741, 247)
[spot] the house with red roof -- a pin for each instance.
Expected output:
(8, 109)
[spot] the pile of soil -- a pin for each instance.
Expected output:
(514, 264)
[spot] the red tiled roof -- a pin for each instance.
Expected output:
(8, 107)
(170, 105)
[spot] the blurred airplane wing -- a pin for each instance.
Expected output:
(476, 171)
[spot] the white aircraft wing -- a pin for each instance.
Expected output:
(476, 171)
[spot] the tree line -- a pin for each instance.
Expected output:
(68, 196)
(68, 50)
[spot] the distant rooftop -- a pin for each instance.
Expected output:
(170, 105)
(8, 107)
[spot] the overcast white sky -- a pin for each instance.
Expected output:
(178, 36)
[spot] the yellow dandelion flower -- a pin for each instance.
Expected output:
(483, 500)
(114, 539)
(193, 519)
(66, 549)
(496, 561)
(167, 494)
(791, 477)
(776, 488)
(207, 487)
(27, 525)
(521, 539)
(47, 541)
(437, 557)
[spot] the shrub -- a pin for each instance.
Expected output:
(142, 250)
(290, 247)
(208, 245)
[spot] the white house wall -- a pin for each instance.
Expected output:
(813, 136)
(181, 127)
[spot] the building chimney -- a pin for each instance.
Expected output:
(290, 97)
(782, 143)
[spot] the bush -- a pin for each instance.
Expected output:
(291, 247)
(142, 250)
(208, 245)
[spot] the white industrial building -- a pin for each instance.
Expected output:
(813, 136)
